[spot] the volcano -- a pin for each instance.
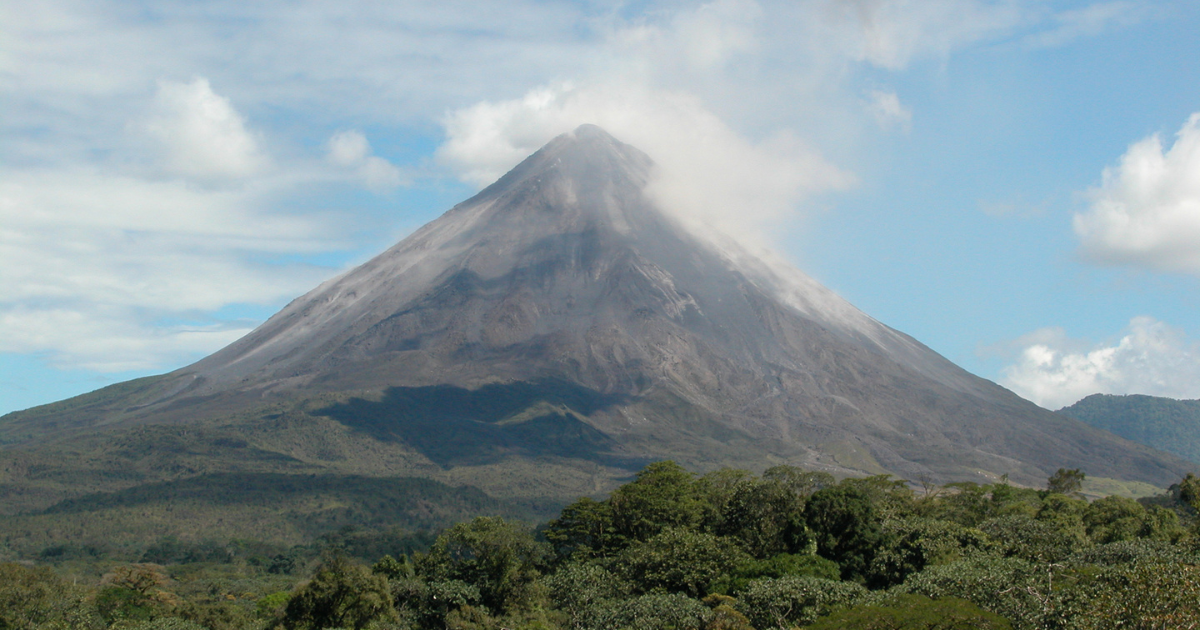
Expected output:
(559, 330)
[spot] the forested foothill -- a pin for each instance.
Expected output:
(727, 550)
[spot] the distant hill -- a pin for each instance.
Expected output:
(1164, 423)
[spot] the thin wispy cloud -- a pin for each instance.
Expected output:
(1090, 21)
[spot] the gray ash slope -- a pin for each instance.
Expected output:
(564, 277)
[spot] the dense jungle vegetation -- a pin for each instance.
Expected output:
(671, 550)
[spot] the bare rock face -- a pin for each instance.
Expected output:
(560, 314)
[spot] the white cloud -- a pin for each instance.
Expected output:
(892, 33)
(350, 150)
(888, 111)
(1146, 211)
(1150, 358)
(1089, 21)
(108, 340)
(97, 265)
(201, 134)
(701, 40)
(707, 171)
(85, 229)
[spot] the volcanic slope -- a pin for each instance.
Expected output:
(558, 330)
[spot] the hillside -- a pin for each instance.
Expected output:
(1163, 423)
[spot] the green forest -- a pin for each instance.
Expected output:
(727, 550)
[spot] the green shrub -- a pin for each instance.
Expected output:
(1034, 540)
(1128, 551)
(37, 598)
(782, 565)
(578, 589)
(678, 561)
(165, 623)
(1139, 595)
(914, 612)
(656, 611)
(785, 602)
(1010, 587)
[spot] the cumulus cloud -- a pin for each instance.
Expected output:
(706, 171)
(200, 133)
(888, 111)
(1146, 211)
(1150, 358)
(351, 151)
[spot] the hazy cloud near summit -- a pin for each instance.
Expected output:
(1146, 210)
(1150, 358)
(707, 172)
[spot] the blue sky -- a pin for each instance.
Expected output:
(1015, 183)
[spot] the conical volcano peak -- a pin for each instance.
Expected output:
(548, 335)
(587, 163)
(592, 145)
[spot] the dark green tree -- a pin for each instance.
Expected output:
(912, 544)
(394, 569)
(846, 528)
(500, 558)
(801, 482)
(1189, 491)
(430, 604)
(341, 594)
(890, 498)
(1065, 481)
(664, 495)
(766, 516)
(584, 529)
(1113, 519)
